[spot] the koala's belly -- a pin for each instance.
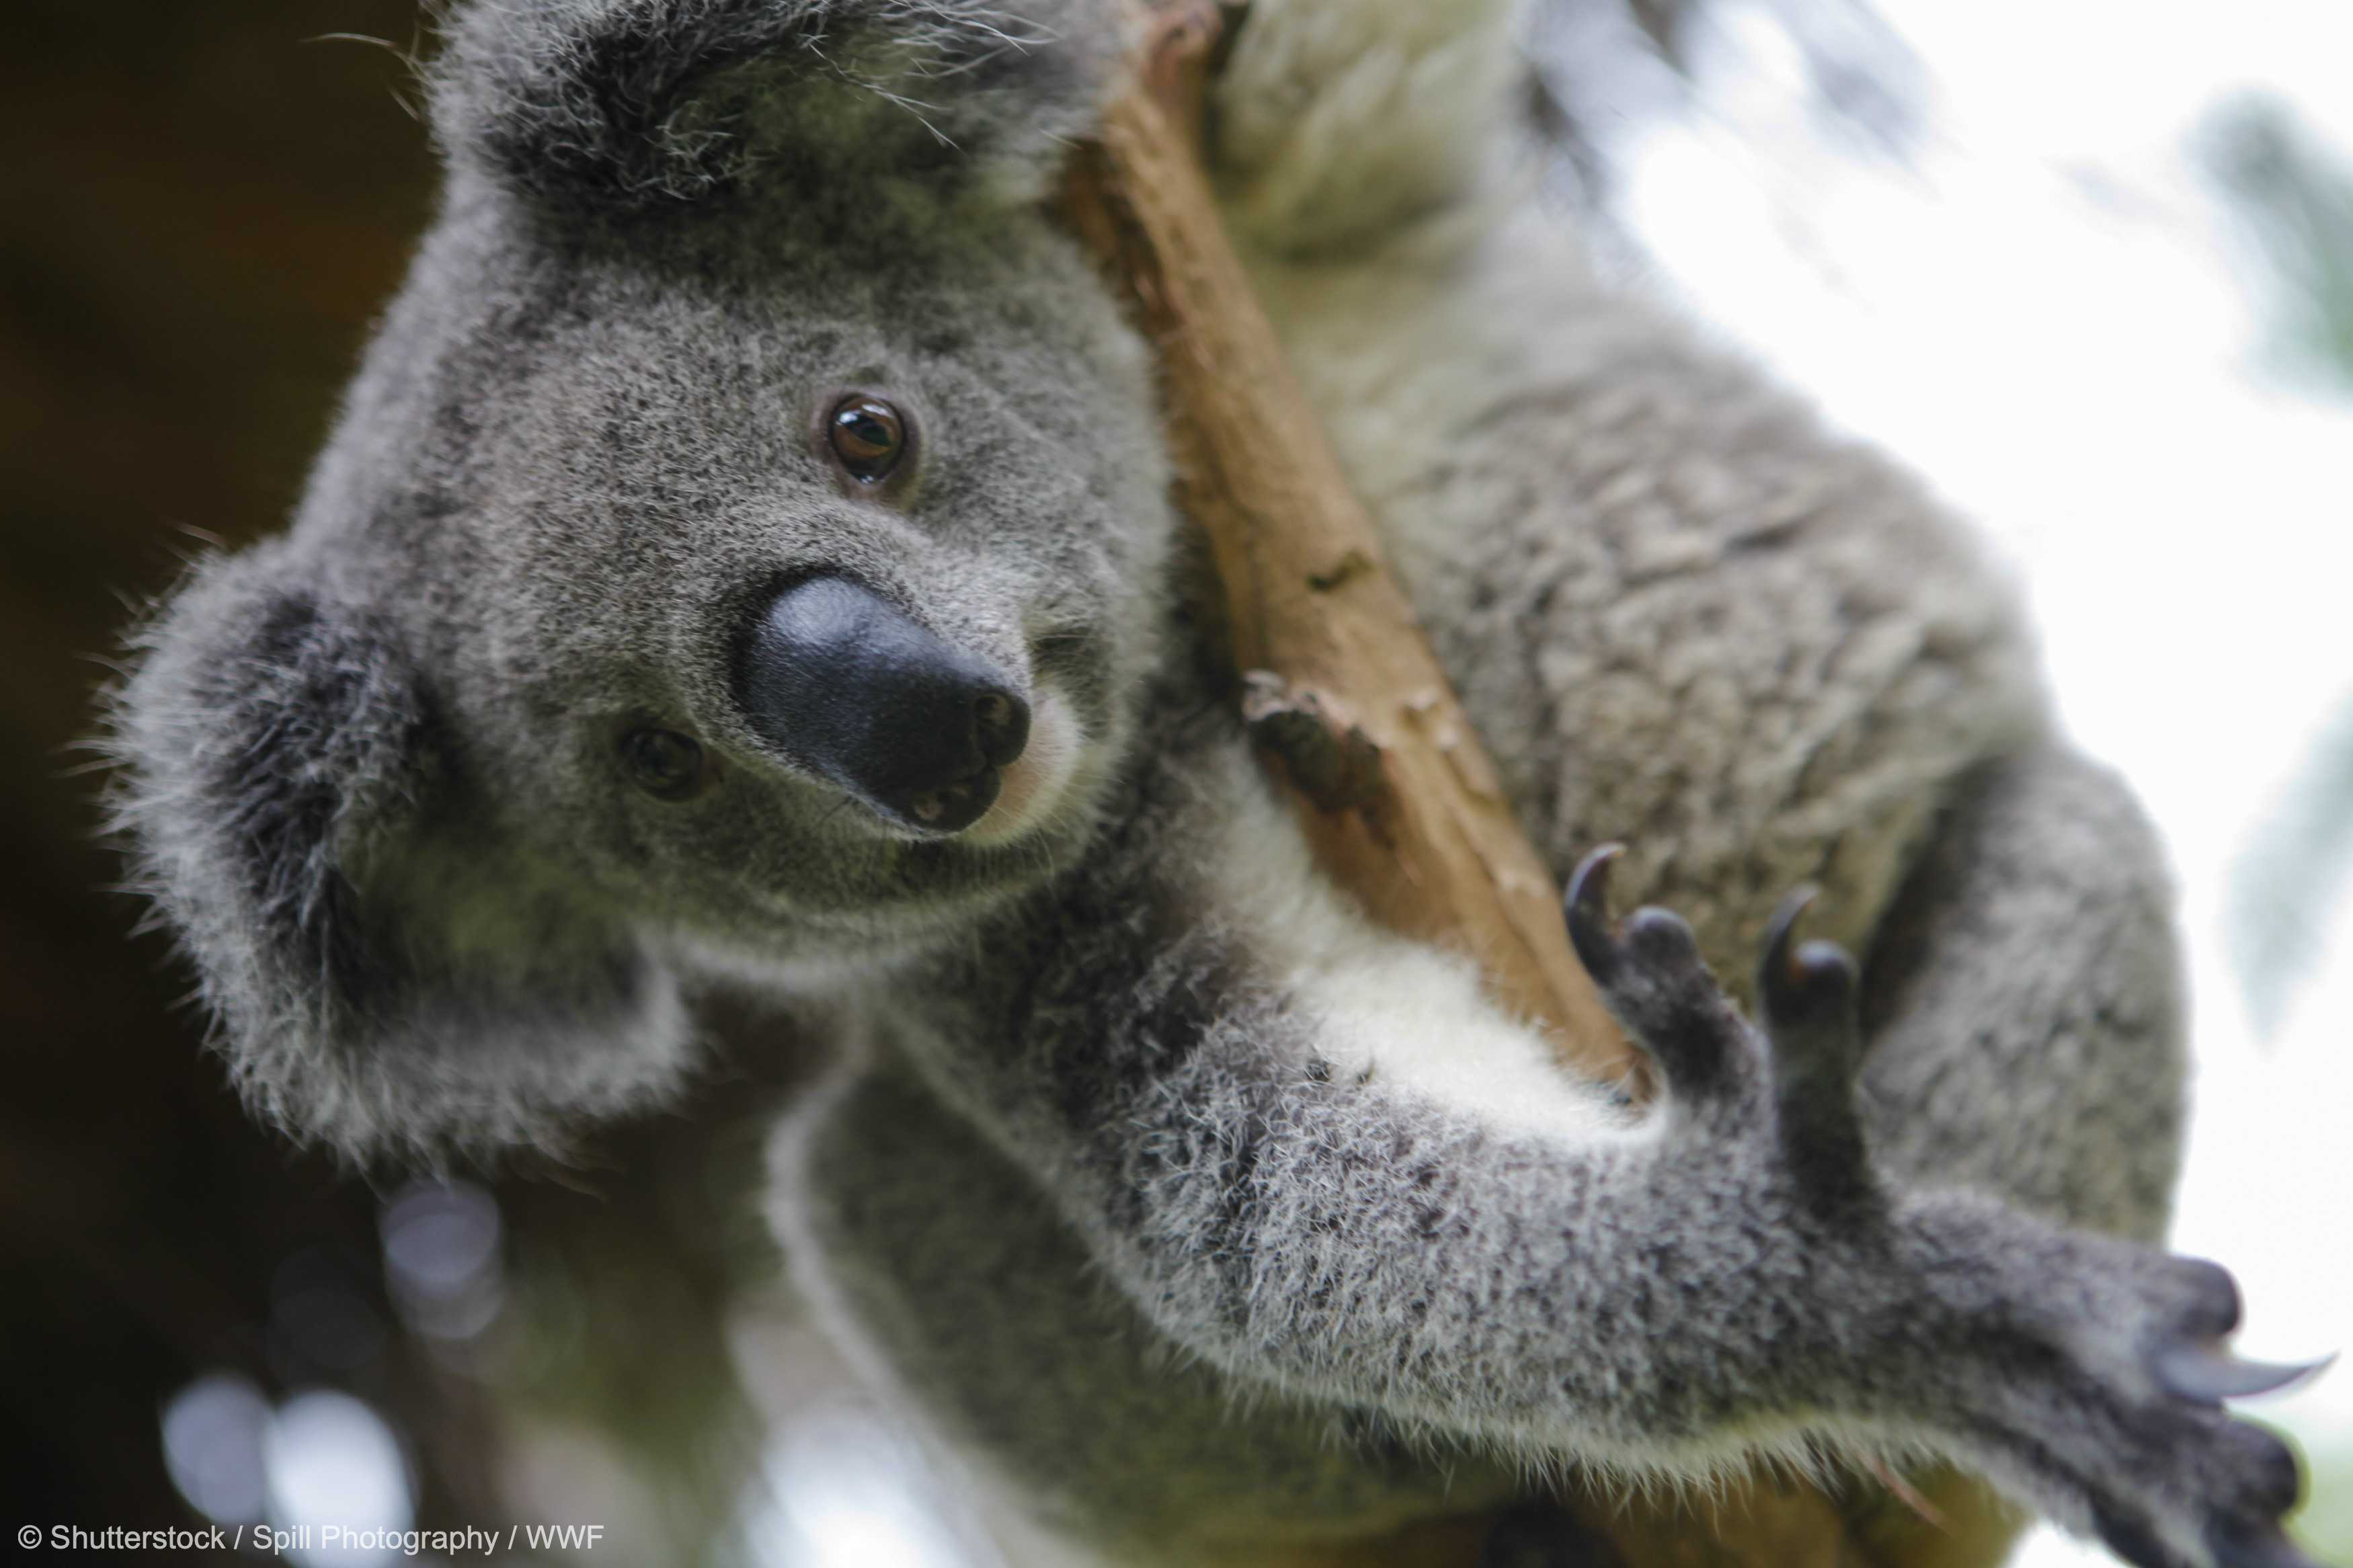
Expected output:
(907, 1230)
(1681, 614)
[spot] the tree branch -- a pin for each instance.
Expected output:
(1345, 695)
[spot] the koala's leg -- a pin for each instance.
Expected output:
(2023, 1004)
(1337, 121)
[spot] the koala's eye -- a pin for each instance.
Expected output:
(868, 436)
(663, 762)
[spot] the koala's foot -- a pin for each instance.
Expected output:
(1338, 123)
(2087, 1371)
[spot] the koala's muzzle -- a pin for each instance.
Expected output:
(840, 682)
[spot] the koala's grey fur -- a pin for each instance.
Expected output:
(1205, 1215)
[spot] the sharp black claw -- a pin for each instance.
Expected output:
(1810, 985)
(1778, 930)
(1587, 910)
(1781, 976)
(2264, 1547)
(2202, 1371)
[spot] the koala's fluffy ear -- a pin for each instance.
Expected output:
(288, 791)
(640, 102)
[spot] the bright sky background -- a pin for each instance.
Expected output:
(2046, 313)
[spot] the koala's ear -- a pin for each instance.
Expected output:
(288, 789)
(640, 102)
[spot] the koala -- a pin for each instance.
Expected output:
(745, 555)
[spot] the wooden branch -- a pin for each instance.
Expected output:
(1349, 705)
(1345, 695)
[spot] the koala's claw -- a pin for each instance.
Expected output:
(1806, 994)
(1587, 907)
(1812, 985)
(2173, 1481)
(1776, 966)
(1649, 973)
(2204, 1373)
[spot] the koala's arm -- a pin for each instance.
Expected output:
(1315, 1155)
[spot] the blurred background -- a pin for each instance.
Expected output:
(2087, 265)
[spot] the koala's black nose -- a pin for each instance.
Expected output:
(845, 685)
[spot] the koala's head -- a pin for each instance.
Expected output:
(739, 550)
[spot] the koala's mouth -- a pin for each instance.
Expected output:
(1033, 785)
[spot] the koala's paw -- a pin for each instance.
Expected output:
(1795, 1082)
(2091, 1373)
(2088, 1373)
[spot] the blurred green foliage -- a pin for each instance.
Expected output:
(2296, 199)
